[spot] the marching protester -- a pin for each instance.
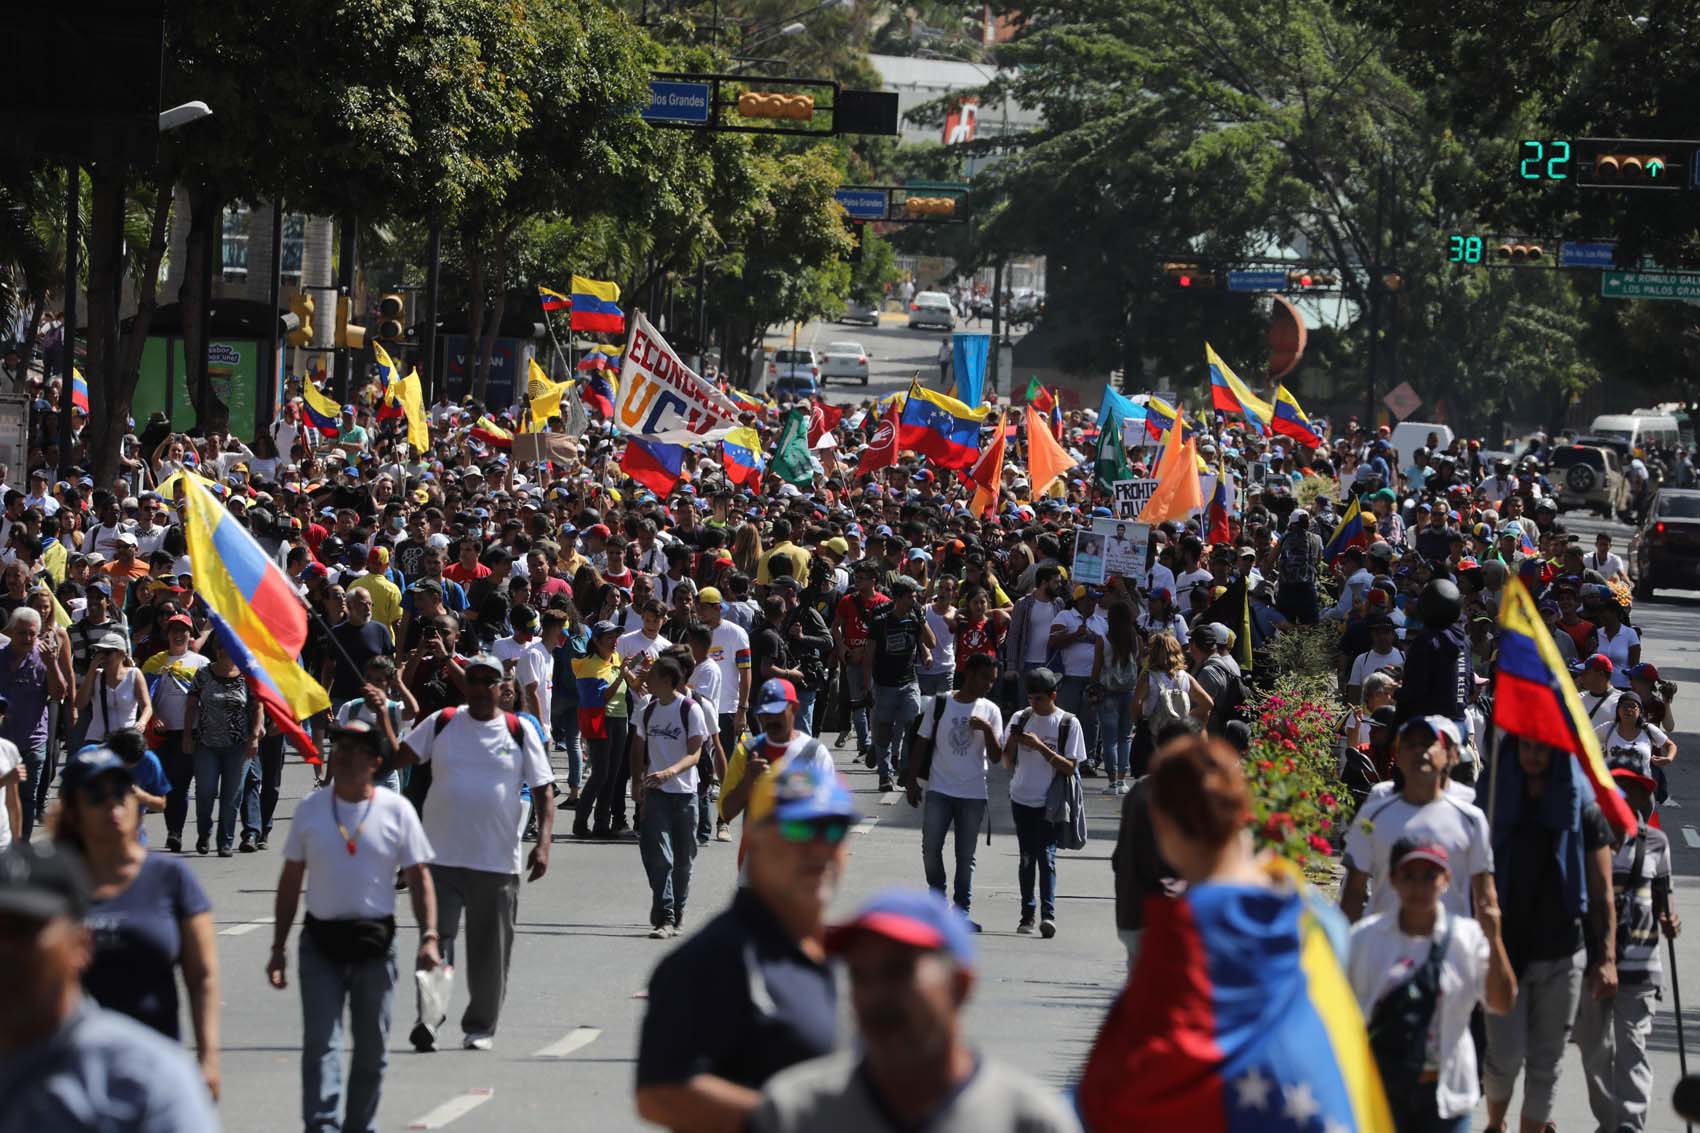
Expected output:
(1044, 742)
(667, 746)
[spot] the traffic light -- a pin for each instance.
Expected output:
(1305, 279)
(761, 104)
(1511, 252)
(1634, 163)
(1188, 275)
(392, 319)
(301, 314)
(349, 336)
(930, 206)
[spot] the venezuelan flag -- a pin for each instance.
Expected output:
(552, 300)
(1350, 533)
(741, 455)
(1160, 417)
(1290, 420)
(1534, 698)
(1231, 395)
(602, 356)
(748, 401)
(259, 618)
(595, 306)
(492, 434)
(321, 412)
(79, 392)
(1238, 1018)
(598, 393)
(940, 428)
(656, 465)
(389, 404)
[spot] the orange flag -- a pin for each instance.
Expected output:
(1047, 460)
(1178, 493)
(987, 473)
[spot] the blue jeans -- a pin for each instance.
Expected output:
(177, 760)
(260, 782)
(1071, 697)
(32, 795)
(1037, 839)
(667, 843)
(368, 987)
(861, 700)
(934, 683)
(939, 813)
(895, 708)
(566, 735)
(219, 775)
(1115, 724)
(806, 709)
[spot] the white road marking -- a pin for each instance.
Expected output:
(1692, 837)
(458, 1106)
(576, 1039)
(245, 929)
(864, 826)
(890, 798)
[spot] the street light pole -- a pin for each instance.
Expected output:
(68, 331)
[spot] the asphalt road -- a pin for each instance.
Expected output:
(898, 353)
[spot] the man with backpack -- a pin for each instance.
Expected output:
(1044, 742)
(672, 730)
(1297, 556)
(1218, 674)
(473, 818)
(959, 734)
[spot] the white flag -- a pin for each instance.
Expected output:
(661, 399)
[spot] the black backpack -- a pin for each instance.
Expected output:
(1398, 1032)
(1297, 566)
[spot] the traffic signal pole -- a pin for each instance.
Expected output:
(68, 332)
(428, 340)
(273, 387)
(348, 249)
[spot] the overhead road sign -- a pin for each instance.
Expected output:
(1580, 254)
(1257, 281)
(684, 103)
(1650, 285)
(864, 204)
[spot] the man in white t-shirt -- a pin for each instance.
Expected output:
(532, 664)
(1381, 653)
(729, 648)
(1043, 742)
(1078, 635)
(474, 816)
(11, 775)
(1424, 809)
(1605, 560)
(669, 733)
(966, 730)
(348, 842)
(645, 641)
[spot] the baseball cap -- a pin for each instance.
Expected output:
(784, 582)
(1599, 662)
(800, 794)
(126, 539)
(427, 586)
(485, 661)
(112, 641)
(42, 881)
(919, 918)
(708, 596)
(602, 627)
(776, 693)
(1419, 849)
(380, 555)
(1436, 725)
(1040, 680)
(1628, 765)
(838, 545)
(183, 620)
(88, 765)
(1646, 670)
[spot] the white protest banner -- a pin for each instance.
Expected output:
(1132, 496)
(660, 399)
(1126, 546)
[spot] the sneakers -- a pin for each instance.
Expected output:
(173, 844)
(722, 833)
(660, 932)
(1111, 790)
(1047, 928)
(224, 852)
(1123, 787)
(260, 842)
(568, 803)
(886, 785)
(422, 1039)
(869, 759)
(249, 844)
(1025, 928)
(477, 1040)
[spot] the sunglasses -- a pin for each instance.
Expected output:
(802, 831)
(106, 789)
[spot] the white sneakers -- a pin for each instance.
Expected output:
(478, 1042)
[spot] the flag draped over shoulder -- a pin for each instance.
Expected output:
(940, 428)
(596, 306)
(1238, 1017)
(741, 456)
(260, 620)
(1350, 533)
(1534, 698)
(1047, 460)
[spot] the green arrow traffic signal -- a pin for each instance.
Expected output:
(1655, 168)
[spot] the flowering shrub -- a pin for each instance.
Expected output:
(1295, 799)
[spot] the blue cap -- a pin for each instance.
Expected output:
(1101, 513)
(603, 627)
(88, 765)
(776, 694)
(919, 918)
(800, 794)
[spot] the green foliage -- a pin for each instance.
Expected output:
(878, 268)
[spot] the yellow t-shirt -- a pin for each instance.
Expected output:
(386, 598)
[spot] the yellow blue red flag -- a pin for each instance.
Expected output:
(596, 306)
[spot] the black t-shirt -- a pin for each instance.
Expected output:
(1438, 674)
(409, 558)
(766, 645)
(362, 643)
(897, 644)
(738, 1000)
(1538, 926)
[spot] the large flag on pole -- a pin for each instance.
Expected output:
(1111, 463)
(1231, 395)
(1047, 460)
(1350, 533)
(987, 473)
(1535, 699)
(261, 621)
(1290, 420)
(596, 307)
(661, 399)
(968, 366)
(321, 412)
(411, 393)
(790, 460)
(545, 395)
(940, 428)
(1179, 492)
(882, 447)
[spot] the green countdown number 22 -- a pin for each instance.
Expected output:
(1544, 161)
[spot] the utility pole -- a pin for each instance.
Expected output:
(273, 388)
(1376, 298)
(68, 334)
(997, 332)
(349, 239)
(428, 341)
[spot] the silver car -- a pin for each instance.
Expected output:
(931, 309)
(846, 361)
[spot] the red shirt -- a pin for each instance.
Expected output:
(465, 575)
(983, 636)
(850, 612)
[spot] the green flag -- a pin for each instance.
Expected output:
(790, 460)
(1111, 464)
(1034, 389)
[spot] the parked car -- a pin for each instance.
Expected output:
(794, 371)
(1589, 476)
(931, 309)
(856, 311)
(1665, 551)
(846, 361)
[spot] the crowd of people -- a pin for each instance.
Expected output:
(693, 660)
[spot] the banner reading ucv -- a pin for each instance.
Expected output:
(660, 399)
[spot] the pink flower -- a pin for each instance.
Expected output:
(1328, 801)
(1319, 844)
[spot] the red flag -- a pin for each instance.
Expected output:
(823, 418)
(882, 450)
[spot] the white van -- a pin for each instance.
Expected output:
(1409, 436)
(1641, 431)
